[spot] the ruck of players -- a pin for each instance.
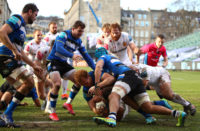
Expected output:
(115, 85)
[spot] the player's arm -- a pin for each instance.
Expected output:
(4, 31)
(106, 80)
(130, 54)
(165, 63)
(98, 70)
(91, 104)
(141, 51)
(133, 49)
(61, 50)
(87, 57)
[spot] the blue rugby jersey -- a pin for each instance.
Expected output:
(64, 46)
(114, 65)
(17, 36)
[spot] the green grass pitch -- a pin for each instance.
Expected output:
(185, 83)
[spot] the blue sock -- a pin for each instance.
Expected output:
(144, 113)
(53, 101)
(72, 94)
(9, 110)
(161, 103)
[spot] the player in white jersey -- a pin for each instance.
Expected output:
(52, 34)
(119, 43)
(49, 37)
(159, 79)
(32, 46)
(43, 85)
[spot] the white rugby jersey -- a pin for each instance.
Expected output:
(32, 47)
(119, 48)
(42, 54)
(49, 37)
(153, 73)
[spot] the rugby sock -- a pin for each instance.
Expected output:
(144, 113)
(175, 113)
(53, 101)
(112, 115)
(73, 93)
(178, 99)
(15, 101)
(64, 86)
(160, 102)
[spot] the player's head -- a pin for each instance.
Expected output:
(83, 78)
(160, 39)
(100, 51)
(115, 31)
(106, 29)
(30, 11)
(78, 29)
(53, 27)
(37, 35)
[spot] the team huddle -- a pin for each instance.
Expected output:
(116, 83)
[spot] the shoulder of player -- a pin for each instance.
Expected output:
(16, 21)
(62, 35)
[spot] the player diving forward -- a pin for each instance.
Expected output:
(159, 79)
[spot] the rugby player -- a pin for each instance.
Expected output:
(12, 36)
(128, 83)
(65, 44)
(159, 79)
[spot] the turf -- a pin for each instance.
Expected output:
(185, 83)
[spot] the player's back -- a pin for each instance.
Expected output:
(114, 65)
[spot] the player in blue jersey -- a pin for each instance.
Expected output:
(128, 84)
(88, 81)
(12, 36)
(65, 44)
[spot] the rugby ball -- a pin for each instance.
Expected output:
(100, 104)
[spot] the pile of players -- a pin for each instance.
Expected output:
(115, 85)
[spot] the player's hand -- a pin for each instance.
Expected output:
(91, 90)
(77, 58)
(38, 71)
(17, 54)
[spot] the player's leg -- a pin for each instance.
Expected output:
(56, 79)
(64, 89)
(144, 102)
(5, 99)
(48, 87)
(166, 92)
(19, 74)
(74, 90)
(148, 118)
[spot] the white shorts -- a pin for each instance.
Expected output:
(142, 98)
(165, 77)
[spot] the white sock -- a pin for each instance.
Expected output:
(69, 100)
(64, 86)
